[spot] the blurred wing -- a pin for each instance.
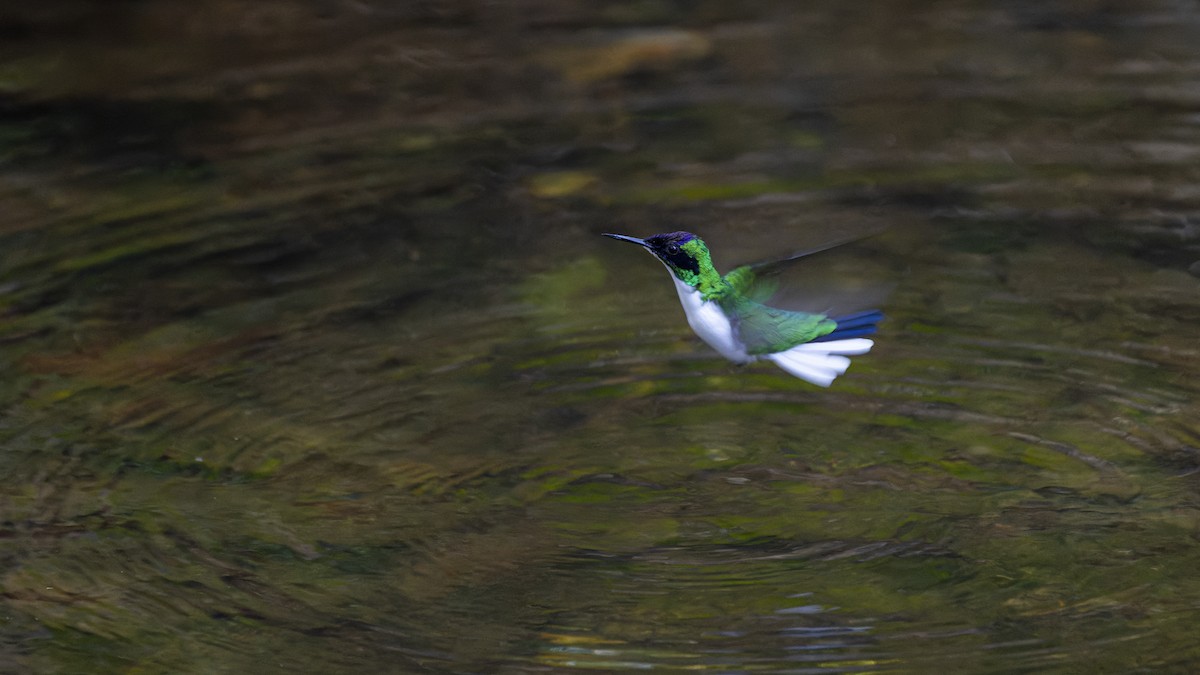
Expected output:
(767, 330)
(769, 267)
(847, 280)
(746, 282)
(764, 330)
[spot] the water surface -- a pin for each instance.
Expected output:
(315, 361)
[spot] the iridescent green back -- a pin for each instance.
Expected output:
(765, 330)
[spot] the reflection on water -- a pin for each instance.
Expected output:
(315, 359)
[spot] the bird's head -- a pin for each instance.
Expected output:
(684, 254)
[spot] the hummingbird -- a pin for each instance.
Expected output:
(728, 313)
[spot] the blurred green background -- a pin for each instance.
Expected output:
(313, 359)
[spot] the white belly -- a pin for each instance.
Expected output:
(710, 323)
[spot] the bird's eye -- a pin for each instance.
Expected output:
(672, 249)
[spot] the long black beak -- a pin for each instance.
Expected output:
(632, 240)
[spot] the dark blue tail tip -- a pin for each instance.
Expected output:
(854, 325)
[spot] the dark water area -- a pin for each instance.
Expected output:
(314, 360)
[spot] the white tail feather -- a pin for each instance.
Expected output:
(847, 346)
(820, 362)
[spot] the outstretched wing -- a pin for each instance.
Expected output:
(768, 266)
(750, 285)
(765, 329)
(759, 281)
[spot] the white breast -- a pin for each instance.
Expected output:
(710, 323)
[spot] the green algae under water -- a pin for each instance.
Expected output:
(314, 360)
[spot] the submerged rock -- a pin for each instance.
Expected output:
(626, 52)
